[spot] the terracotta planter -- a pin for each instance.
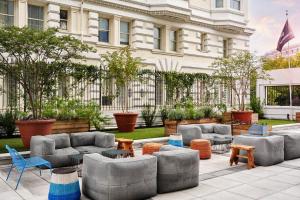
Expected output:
(242, 116)
(208, 120)
(30, 128)
(193, 121)
(126, 121)
(71, 126)
(171, 126)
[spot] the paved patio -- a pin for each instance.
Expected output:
(217, 181)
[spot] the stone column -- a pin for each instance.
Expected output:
(53, 16)
(114, 33)
(21, 13)
(93, 26)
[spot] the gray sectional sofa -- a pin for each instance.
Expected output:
(177, 168)
(58, 148)
(114, 179)
(269, 150)
(203, 131)
(291, 144)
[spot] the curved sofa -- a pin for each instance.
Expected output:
(115, 179)
(203, 131)
(58, 148)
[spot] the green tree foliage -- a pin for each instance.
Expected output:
(37, 60)
(123, 68)
(280, 62)
(236, 73)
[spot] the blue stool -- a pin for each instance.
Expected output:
(176, 140)
(64, 185)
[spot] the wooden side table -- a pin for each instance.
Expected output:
(125, 144)
(235, 155)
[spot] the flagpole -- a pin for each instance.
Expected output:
(290, 82)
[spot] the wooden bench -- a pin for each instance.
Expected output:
(235, 154)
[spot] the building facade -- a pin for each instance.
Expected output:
(280, 94)
(292, 50)
(169, 35)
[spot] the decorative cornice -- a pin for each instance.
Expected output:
(178, 17)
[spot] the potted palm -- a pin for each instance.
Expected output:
(123, 69)
(36, 60)
(236, 72)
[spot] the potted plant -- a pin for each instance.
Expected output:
(123, 69)
(72, 115)
(175, 116)
(236, 72)
(36, 60)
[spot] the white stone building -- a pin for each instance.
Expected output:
(180, 35)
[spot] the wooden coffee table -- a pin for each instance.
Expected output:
(125, 144)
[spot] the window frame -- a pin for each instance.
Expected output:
(157, 40)
(225, 48)
(104, 30)
(173, 41)
(35, 19)
(234, 3)
(203, 42)
(63, 20)
(8, 15)
(125, 33)
(217, 2)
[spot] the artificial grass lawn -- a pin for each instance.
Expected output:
(141, 133)
(273, 122)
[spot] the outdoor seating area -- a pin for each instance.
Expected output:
(149, 100)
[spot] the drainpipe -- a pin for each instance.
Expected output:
(81, 19)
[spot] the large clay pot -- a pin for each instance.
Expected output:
(126, 121)
(242, 116)
(29, 128)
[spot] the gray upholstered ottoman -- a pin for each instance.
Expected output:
(189, 133)
(115, 179)
(291, 144)
(177, 169)
(268, 150)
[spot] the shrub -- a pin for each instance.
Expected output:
(7, 122)
(208, 112)
(199, 114)
(189, 113)
(176, 114)
(70, 109)
(256, 106)
(148, 114)
(164, 114)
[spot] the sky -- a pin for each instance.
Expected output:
(267, 17)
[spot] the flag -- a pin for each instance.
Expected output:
(286, 35)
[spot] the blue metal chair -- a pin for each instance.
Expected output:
(20, 163)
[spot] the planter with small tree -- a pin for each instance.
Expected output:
(123, 69)
(37, 60)
(236, 73)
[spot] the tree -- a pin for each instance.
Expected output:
(236, 73)
(280, 62)
(37, 60)
(123, 68)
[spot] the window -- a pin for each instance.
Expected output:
(103, 34)
(63, 23)
(235, 4)
(203, 41)
(35, 17)
(173, 40)
(225, 48)
(219, 4)
(157, 38)
(277, 96)
(124, 33)
(6, 13)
